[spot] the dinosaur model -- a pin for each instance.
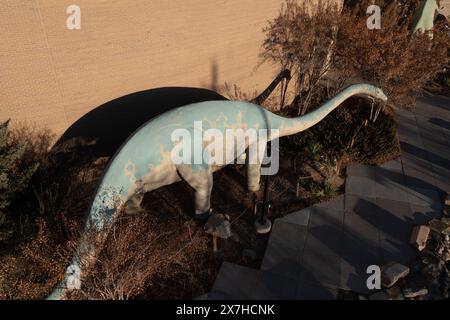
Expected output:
(145, 161)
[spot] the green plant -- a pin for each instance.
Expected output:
(15, 174)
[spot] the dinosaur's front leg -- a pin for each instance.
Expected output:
(255, 154)
(200, 178)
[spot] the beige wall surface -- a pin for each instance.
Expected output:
(445, 8)
(51, 76)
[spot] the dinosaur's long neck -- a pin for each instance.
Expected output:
(296, 125)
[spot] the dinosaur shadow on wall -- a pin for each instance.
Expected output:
(105, 128)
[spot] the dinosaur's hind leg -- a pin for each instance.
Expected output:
(134, 204)
(201, 179)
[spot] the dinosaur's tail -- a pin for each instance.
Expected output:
(101, 217)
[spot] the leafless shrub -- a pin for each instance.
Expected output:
(301, 39)
(393, 58)
(137, 251)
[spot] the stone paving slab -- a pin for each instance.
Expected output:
(240, 283)
(314, 253)
(299, 218)
(289, 235)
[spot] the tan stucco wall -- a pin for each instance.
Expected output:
(51, 76)
(445, 8)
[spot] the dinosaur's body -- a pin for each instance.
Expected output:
(144, 163)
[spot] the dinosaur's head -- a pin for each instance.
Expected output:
(377, 93)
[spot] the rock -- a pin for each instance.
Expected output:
(379, 296)
(446, 256)
(432, 270)
(395, 293)
(447, 200)
(392, 272)
(410, 293)
(218, 225)
(419, 237)
(440, 226)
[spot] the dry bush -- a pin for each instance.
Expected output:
(330, 48)
(34, 268)
(138, 251)
(45, 219)
(234, 92)
(22, 151)
(301, 40)
(392, 58)
(143, 257)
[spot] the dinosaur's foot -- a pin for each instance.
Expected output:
(202, 218)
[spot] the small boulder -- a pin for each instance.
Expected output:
(392, 272)
(395, 293)
(440, 226)
(219, 227)
(447, 200)
(379, 296)
(410, 293)
(419, 237)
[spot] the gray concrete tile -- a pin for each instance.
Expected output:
(315, 291)
(395, 250)
(336, 204)
(422, 215)
(360, 170)
(359, 230)
(240, 283)
(424, 197)
(282, 260)
(359, 251)
(319, 267)
(413, 149)
(393, 165)
(327, 240)
(364, 206)
(300, 218)
(420, 178)
(354, 275)
(289, 235)
(325, 217)
(389, 189)
(360, 186)
(399, 209)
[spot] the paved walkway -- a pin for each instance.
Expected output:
(313, 253)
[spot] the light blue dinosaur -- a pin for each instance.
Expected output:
(145, 161)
